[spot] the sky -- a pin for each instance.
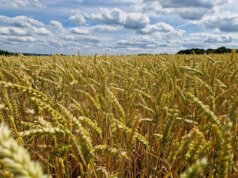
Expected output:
(117, 26)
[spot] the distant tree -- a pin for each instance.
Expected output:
(220, 50)
(163, 54)
(144, 54)
(6, 53)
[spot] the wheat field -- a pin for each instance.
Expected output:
(119, 116)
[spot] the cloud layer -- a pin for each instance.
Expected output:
(116, 27)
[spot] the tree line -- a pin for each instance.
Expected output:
(220, 50)
(6, 53)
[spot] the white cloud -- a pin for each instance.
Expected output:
(186, 9)
(218, 39)
(188, 3)
(41, 31)
(192, 13)
(20, 3)
(19, 38)
(212, 39)
(160, 27)
(20, 21)
(80, 31)
(86, 30)
(78, 18)
(12, 31)
(56, 25)
(226, 21)
(43, 37)
(150, 42)
(114, 16)
(104, 28)
(139, 44)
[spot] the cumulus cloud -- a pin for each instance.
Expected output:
(35, 35)
(20, 38)
(152, 42)
(12, 31)
(80, 31)
(140, 44)
(20, 3)
(186, 9)
(20, 21)
(86, 30)
(114, 16)
(188, 3)
(208, 40)
(104, 28)
(147, 35)
(218, 39)
(56, 25)
(192, 13)
(160, 27)
(22, 26)
(22, 30)
(224, 22)
(41, 31)
(70, 39)
(136, 44)
(78, 18)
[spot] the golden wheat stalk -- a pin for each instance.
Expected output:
(16, 159)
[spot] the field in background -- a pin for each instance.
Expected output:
(164, 116)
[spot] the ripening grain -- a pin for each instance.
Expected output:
(119, 116)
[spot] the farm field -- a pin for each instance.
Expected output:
(119, 116)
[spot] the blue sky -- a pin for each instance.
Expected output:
(117, 27)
